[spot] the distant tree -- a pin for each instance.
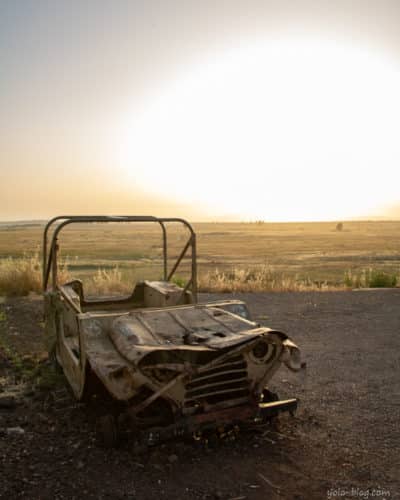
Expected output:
(339, 226)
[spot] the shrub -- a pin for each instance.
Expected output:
(381, 279)
(370, 278)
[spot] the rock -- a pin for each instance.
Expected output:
(43, 418)
(15, 431)
(172, 458)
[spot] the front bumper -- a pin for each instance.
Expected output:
(207, 422)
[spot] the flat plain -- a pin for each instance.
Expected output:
(313, 252)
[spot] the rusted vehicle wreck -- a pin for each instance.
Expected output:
(169, 365)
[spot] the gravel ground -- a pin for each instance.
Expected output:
(342, 443)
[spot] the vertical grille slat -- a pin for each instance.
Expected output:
(224, 382)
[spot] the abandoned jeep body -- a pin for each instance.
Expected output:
(164, 359)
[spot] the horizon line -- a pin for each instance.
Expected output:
(228, 221)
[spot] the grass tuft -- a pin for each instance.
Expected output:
(108, 281)
(20, 276)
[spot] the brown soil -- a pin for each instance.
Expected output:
(343, 442)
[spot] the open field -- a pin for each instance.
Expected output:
(344, 438)
(308, 254)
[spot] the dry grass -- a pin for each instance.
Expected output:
(23, 275)
(108, 282)
(260, 279)
(20, 276)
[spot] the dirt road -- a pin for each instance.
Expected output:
(343, 442)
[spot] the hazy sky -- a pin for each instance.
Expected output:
(249, 109)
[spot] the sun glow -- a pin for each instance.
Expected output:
(282, 131)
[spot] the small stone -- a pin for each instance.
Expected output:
(43, 418)
(172, 458)
(15, 431)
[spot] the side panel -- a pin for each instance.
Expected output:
(68, 345)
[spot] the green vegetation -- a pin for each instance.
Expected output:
(381, 279)
(371, 278)
(179, 281)
(27, 369)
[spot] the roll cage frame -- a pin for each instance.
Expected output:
(51, 246)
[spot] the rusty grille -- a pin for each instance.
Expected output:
(227, 381)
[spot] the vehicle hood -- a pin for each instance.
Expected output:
(195, 327)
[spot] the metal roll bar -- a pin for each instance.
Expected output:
(49, 261)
